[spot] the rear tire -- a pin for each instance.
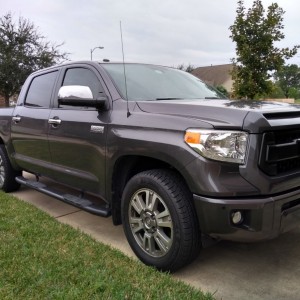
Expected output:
(7, 173)
(159, 220)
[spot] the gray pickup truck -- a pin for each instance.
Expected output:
(170, 158)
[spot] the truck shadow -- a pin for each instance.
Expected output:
(264, 270)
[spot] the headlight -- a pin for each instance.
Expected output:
(229, 146)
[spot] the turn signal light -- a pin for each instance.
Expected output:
(192, 137)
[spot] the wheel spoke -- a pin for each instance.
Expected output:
(136, 224)
(138, 204)
(163, 242)
(151, 200)
(148, 197)
(164, 223)
(2, 173)
(163, 214)
(164, 219)
(149, 243)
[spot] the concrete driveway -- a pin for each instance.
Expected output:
(268, 270)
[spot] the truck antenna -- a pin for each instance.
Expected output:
(128, 112)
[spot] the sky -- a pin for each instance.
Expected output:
(166, 32)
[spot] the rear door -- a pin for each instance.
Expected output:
(77, 137)
(29, 131)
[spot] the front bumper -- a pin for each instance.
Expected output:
(263, 217)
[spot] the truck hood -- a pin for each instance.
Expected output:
(249, 115)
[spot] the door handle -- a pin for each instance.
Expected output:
(16, 118)
(54, 121)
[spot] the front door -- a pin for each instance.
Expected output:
(77, 137)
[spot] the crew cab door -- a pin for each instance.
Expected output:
(29, 130)
(77, 135)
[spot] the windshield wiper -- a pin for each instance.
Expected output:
(212, 98)
(168, 98)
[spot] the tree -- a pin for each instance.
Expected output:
(189, 68)
(276, 93)
(254, 33)
(22, 50)
(222, 90)
(294, 93)
(288, 78)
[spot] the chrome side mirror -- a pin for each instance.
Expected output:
(79, 95)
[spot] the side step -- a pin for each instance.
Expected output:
(84, 204)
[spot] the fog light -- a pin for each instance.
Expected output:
(237, 217)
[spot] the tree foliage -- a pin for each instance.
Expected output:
(276, 93)
(223, 90)
(288, 78)
(294, 93)
(189, 68)
(22, 50)
(255, 32)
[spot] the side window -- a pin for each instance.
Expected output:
(40, 90)
(85, 77)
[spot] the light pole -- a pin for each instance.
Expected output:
(92, 50)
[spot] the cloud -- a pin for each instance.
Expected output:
(166, 32)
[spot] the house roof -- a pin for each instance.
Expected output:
(214, 75)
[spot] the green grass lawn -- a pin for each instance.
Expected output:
(41, 258)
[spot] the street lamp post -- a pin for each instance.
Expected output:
(92, 50)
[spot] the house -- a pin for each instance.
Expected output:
(220, 75)
(216, 75)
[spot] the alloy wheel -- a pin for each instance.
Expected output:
(151, 222)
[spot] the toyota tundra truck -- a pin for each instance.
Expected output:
(170, 158)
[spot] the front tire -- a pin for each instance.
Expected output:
(159, 220)
(7, 173)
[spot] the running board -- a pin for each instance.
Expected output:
(84, 204)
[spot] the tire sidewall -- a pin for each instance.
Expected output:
(4, 164)
(9, 182)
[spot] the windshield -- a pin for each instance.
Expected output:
(149, 82)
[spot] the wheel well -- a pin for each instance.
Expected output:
(125, 168)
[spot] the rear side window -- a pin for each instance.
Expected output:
(39, 93)
(85, 77)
